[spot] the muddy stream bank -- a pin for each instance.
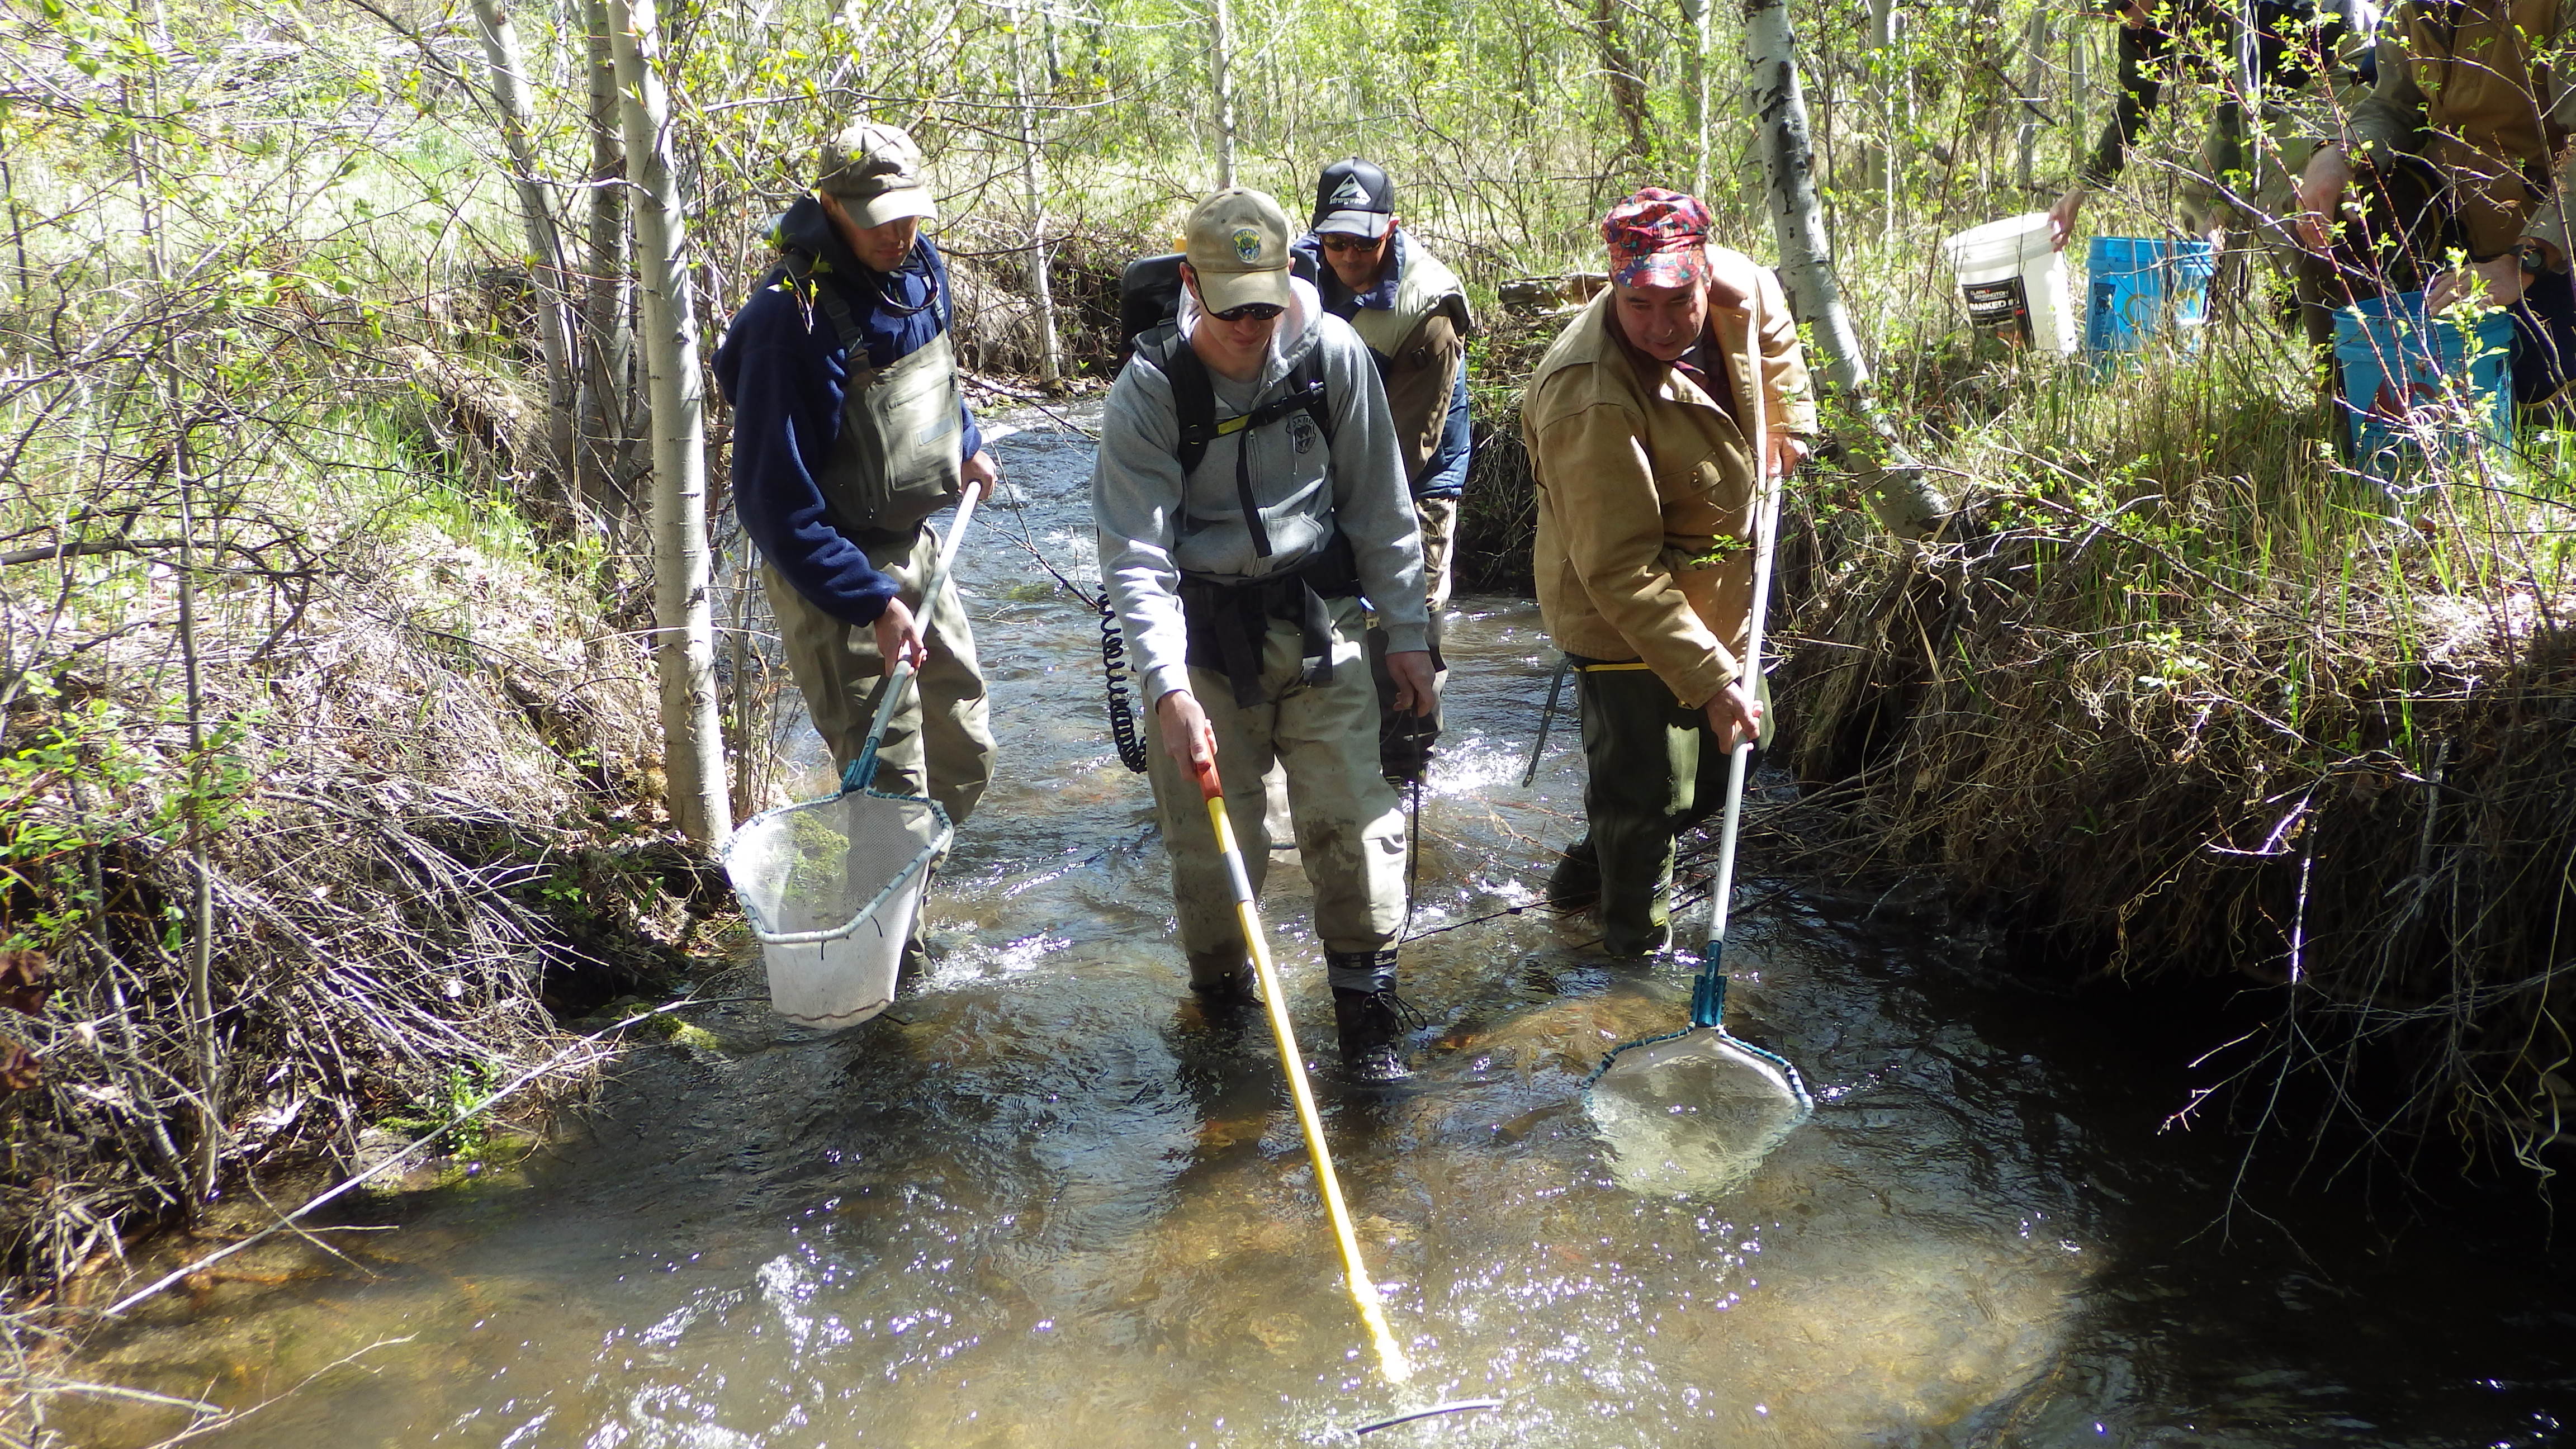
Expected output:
(1042, 1203)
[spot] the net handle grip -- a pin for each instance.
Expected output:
(863, 769)
(1708, 995)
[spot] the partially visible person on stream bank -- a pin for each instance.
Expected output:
(1249, 492)
(2310, 59)
(2480, 90)
(1411, 311)
(849, 433)
(1644, 421)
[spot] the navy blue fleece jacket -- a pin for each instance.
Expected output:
(783, 368)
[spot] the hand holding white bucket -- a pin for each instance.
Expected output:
(2014, 282)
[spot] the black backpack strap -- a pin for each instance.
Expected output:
(1194, 410)
(1193, 394)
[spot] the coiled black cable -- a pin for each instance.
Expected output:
(1122, 711)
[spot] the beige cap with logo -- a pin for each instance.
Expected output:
(1237, 243)
(875, 171)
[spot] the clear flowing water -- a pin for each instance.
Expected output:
(1042, 1203)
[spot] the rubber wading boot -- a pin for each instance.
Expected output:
(1372, 1024)
(1372, 1018)
(1636, 938)
(1575, 884)
(1224, 982)
(919, 956)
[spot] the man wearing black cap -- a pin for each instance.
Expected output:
(1413, 315)
(849, 432)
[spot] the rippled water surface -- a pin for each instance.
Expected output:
(1042, 1203)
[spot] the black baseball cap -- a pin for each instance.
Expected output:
(1354, 198)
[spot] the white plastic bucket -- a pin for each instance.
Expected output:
(832, 888)
(2014, 283)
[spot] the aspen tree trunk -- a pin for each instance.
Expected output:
(1033, 182)
(1220, 59)
(509, 69)
(201, 943)
(2079, 53)
(604, 339)
(1903, 500)
(1885, 165)
(2035, 74)
(683, 610)
(1695, 90)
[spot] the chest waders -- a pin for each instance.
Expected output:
(896, 459)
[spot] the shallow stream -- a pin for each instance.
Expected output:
(1042, 1203)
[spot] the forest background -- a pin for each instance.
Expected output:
(332, 777)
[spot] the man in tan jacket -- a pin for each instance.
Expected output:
(1643, 424)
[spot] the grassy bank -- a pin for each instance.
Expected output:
(2184, 697)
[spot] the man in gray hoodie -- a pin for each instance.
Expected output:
(1251, 505)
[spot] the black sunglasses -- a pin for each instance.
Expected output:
(1251, 312)
(1345, 242)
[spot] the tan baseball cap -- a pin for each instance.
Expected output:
(875, 170)
(1237, 242)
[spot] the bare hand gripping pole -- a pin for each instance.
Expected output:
(1390, 1358)
(863, 770)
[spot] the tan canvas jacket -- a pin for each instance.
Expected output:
(1641, 475)
(2489, 102)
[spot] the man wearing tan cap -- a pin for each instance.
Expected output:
(1644, 424)
(849, 433)
(1251, 504)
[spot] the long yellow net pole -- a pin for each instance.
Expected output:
(1390, 1358)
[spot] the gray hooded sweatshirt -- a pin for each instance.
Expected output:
(1155, 524)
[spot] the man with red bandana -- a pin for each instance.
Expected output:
(1644, 425)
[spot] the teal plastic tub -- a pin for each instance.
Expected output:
(2415, 385)
(2138, 286)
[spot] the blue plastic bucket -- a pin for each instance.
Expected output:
(2410, 380)
(2138, 285)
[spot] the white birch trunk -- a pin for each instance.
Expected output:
(683, 611)
(1900, 495)
(605, 349)
(2079, 79)
(1220, 61)
(1033, 183)
(1695, 89)
(2034, 76)
(508, 70)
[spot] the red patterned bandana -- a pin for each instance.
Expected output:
(1657, 238)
